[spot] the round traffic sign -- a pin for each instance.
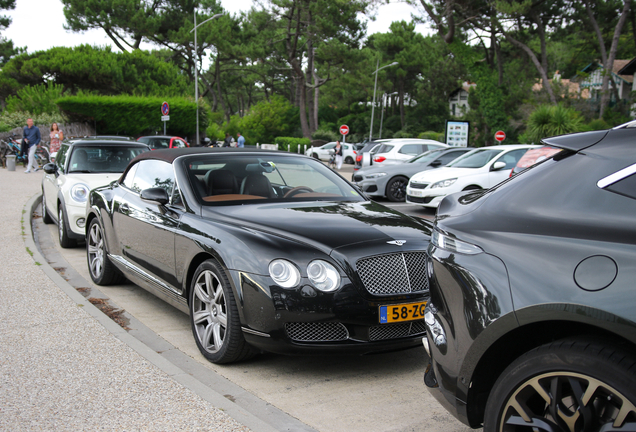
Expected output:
(165, 108)
(344, 129)
(500, 136)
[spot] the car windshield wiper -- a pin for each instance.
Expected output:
(81, 171)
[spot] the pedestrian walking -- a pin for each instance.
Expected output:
(32, 137)
(338, 151)
(227, 141)
(56, 137)
(240, 140)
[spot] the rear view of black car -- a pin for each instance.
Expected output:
(531, 323)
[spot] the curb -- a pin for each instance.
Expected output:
(204, 391)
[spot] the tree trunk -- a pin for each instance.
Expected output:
(537, 64)
(401, 95)
(610, 59)
(218, 88)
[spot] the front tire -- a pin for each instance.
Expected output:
(214, 316)
(102, 271)
(46, 217)
(572, 385)
(396, 189)
(349, 160)
(62, 229)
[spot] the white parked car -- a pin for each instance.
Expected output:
(481, 168)
(323, 152)
(395, 151)
(80, 166)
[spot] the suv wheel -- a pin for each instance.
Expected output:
(572, 385)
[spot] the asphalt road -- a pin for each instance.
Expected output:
(383, 392)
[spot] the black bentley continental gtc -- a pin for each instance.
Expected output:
(266, 251)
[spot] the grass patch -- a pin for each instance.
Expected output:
(29, 251)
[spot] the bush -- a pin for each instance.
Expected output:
(402, 134)
(293, 143)
(326, 135)
(19, 119)
(132, 115)
(437, 136)
(265, 120)
(38, 99)
(552, 120)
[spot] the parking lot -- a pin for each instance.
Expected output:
(382, 392)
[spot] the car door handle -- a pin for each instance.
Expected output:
(124, 208)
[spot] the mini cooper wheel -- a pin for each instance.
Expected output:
(214, 316)
(46, 217)
(102, 271)
(62, 229)
(396, 189)
(567, 386)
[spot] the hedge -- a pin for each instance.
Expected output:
(293, 143)
(134, 115)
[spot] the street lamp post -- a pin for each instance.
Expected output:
(196, 75)
(383, 105)
(374, 89)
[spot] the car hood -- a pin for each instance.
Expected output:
(325, 225)
(444, 173)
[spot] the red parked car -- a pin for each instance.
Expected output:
(157, 142)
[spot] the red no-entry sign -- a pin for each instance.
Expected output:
(500, 136)
(344, 129)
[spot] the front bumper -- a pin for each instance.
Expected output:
(425, 200)
(470, 308)
(304, 320)
(76, 215)
(372, 187)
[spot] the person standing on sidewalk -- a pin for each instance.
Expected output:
(31, 135)
(240, 140)
(338, 150)
(56, 137)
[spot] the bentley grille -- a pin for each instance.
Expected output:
(398, 273)
(395, 331)
(316, 332)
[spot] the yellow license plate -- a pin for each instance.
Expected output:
(402, 312)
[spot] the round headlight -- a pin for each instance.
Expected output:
(323, 275)
(79, 192)
(284, 273)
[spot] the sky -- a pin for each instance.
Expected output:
(39, 24)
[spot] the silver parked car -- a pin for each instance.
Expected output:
(391, 181)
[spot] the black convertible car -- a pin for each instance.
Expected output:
(265, 251)
(531, 322)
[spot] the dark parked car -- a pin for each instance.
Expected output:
(265, 250)
(391, 180)
(532, 324)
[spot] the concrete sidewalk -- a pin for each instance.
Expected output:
(66, 366)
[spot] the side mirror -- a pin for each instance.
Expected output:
(49, 168)
(155, 194)
(436, 163)
(497, 166)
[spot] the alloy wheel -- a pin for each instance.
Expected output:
(209, 312)
(60, 223)
(95, 251)
(567, 402)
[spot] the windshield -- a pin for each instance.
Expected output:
(475, 159)
(427, 157)
(224, 179)
(102, 159)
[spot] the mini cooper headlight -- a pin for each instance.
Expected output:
(323, 275)
(443, 183)
(79, 192)
(284, 273)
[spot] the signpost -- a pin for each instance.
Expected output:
(344, 130)
(457, 133)
(500, 136)
(165, 110)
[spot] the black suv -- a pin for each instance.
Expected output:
(531, 323)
